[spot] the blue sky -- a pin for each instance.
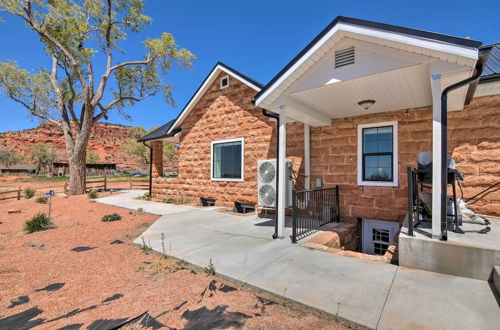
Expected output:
(256, 37)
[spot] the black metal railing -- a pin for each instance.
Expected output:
(312, 209)
(412, 199)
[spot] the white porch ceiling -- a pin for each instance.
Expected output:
(403, 88)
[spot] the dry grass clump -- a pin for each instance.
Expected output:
(162, 266)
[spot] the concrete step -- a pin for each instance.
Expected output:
(496, 279)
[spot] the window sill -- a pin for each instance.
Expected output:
(233, 180)
(378, 183)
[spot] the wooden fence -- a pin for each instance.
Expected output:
(111, 183)
(15, 194)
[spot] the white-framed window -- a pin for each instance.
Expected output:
(378, 154)
(224, 82)
(378, 235)
(227, 160)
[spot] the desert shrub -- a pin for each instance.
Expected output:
(168, 200)
(162, 266)
(41, 199)
(93, 194)
(140, 210)
(111, 217)
(38, 223)
(210, 269)
(183, 200)
(29, 192)
(147, 249)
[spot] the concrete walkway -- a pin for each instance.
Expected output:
(373, 294)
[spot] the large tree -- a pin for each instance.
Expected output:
(69, 92)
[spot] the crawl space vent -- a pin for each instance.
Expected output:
(344, 57)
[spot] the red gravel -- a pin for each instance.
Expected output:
(103, 283)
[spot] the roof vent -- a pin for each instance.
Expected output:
(344, 57)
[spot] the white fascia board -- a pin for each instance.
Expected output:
(202, 90)
(469, 53)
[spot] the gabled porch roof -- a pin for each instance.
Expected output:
(393, 65)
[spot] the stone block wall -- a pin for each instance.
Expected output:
(220, 114)
(474, 142)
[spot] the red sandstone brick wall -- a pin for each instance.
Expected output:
(474, 142)
(220, 114)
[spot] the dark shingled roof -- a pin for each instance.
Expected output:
(159, 133)
(491, 70)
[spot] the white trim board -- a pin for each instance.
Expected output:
(395, 152)
(242, 140)
(203, 88)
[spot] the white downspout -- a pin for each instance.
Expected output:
(282, 173)
(307, 157)
(436, 155)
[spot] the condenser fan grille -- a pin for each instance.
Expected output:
(267, 172)
(267, 195)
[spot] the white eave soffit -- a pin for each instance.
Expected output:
(452, 53)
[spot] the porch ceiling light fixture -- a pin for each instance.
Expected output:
(366, 104)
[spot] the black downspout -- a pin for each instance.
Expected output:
(150, 169)
(277, 117)
(444, 146)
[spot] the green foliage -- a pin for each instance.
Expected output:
(92, 194)
(41, 199)
(210, 269)
(42, 157)
(111, 217)
(140, 210)
(9, 157)
(38, 223)
(29, 192)
(92, 157)
(146, 248)
(169, 200)
(78, 86)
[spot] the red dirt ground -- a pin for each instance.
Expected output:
(102, 286)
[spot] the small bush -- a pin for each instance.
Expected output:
(162, 267)
(183, 200)
(93, 194)
(41, 199)
(168, 200)
(140, 210)
(111, 217)
(147, 249)
(38, 223)
(210, 269)
(29, 192)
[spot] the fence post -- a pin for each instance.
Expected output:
(19, 193)
(409, 173)
(105, 183)
(294, 216)
(337, 202)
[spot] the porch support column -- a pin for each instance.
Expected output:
(436, 155)
(282, 173)
(307, 157)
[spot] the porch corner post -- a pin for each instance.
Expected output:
(282, 180)
(436, 156)
(307, 157)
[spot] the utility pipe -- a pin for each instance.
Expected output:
(444, 146)
(277, 117)
(150, 169)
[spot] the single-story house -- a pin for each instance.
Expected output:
(350, 112)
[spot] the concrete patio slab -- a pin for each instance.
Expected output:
(350, 288)
(370, 293)
(424, 300)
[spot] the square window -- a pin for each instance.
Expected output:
(381, 235)
(224, 82)
(227, 160)
(380, 249)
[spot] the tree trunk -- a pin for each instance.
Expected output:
(77, 172)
